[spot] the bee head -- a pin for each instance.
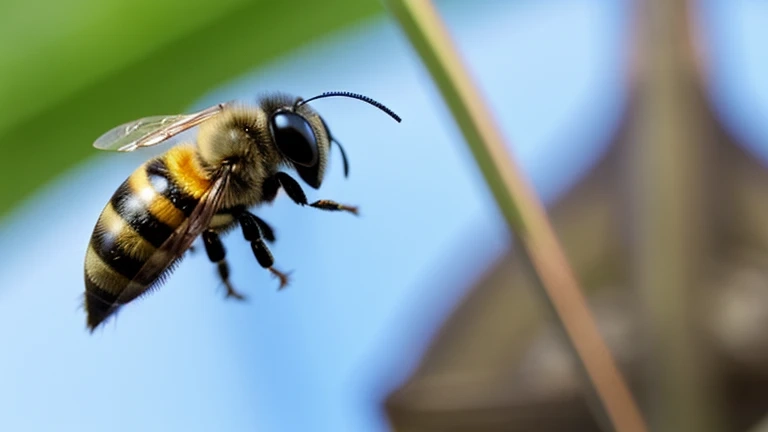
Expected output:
(303, 138)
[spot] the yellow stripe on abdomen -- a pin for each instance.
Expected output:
(159, 206)
(104, 276)
(185, 170)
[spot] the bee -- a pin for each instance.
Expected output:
(204, 189)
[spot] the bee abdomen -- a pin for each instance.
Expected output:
(99, 303)
(142, 214)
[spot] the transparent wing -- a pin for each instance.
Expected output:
(149, 131)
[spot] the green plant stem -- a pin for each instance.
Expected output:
(521, 208)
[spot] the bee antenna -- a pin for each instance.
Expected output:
(341, 149)
(354, 96)
(343, 156)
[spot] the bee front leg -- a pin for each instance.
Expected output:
(333, 206)
(253, 232)
(296, 193)
(216, 253)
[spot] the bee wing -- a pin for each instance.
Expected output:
(178, 243)
(149, 131)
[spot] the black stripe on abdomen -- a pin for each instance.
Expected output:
(134, 212)
(105, 243)
(161, 180)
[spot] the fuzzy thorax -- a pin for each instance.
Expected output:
(236, 136)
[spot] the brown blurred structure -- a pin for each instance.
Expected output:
(668, 234)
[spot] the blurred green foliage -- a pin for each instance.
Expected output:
(72, 69)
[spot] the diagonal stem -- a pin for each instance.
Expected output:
(521, 208)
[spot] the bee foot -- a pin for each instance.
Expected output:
(334, 206)
(280, 275)
(231, 292)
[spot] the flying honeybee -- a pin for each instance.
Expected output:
(238, 162)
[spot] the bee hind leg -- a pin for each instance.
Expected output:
(216, 253)
(253, 232)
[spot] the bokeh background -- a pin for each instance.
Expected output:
(369, 294)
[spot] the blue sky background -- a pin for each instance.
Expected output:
(737, 34)
(367, 293)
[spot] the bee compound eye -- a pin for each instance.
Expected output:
(294, 138)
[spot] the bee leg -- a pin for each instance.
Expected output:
(253, 233)
(291, 188)
(296, 193)
(270, 188)
(266, 231)
(215, 250)
(333, 206)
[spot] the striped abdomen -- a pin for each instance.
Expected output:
(144, 211)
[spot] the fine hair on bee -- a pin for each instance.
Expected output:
(241, 159)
